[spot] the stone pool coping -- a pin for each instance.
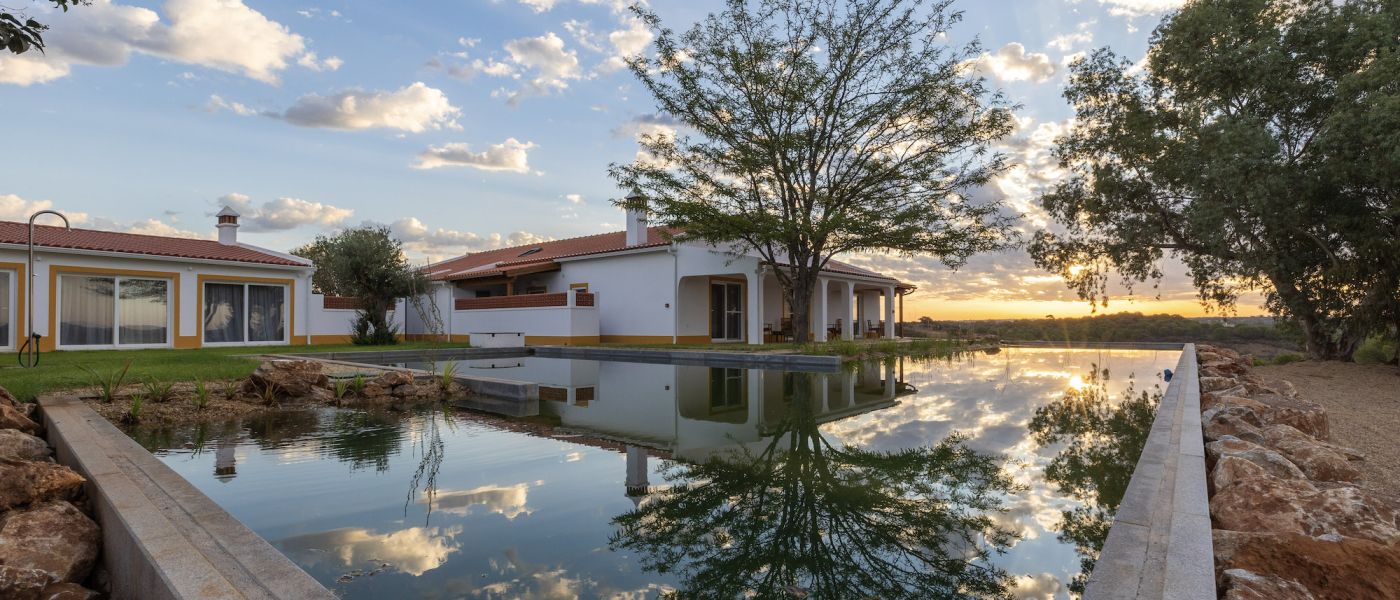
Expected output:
(1160, 543)
(792, 362)
(162, 538)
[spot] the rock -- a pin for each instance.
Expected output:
(1231, 469)
(1237, 421)
(1210, 399)
(293, 378)
(53, 538)
(1274, 505)
(19, 445)
(1269, 462)
(320, 395)
(374, 390)
(21, 584)
(1332, 567)
(1215, 384)
(7, 398)
(1240, 584)
(14, 418)
(68, 591)
(27, 482)
(1307, 417)
(391, 379)
(1320, 461)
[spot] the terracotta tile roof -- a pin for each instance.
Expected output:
(503, 261)
(133, 243)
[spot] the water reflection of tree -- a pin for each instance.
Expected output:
(1103, 440)
(430, 451)
(802, 516)
(364, 438)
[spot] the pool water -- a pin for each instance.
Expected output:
(989, 475)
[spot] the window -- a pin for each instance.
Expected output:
(113, 311)
(7, 308)
(239, 313)
(581, 287)
(727, 390)
(535, 289)
(530, 251)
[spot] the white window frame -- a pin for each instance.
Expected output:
(286, 312)
(117, 316)
(9, 344)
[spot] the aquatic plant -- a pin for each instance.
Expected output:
(357, 384)
(447, 377)
(230, 389)
(110, 382)
(340, 387)
(158, 391)
(268, 394)
(133, 412)
(200, 400)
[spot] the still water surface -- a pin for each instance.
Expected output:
(991, 475)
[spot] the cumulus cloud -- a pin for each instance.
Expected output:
(283, 213)
(15, 208)
(541, 64)
(574, 198)
(217, 103)
(440, 243)
(1136, 8)
(538, 6)
(511, 155)
(225, 35)
(415, 108)
(311, 61)
(626, 43)
(1013, 63)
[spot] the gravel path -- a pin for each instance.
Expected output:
(1363, 412)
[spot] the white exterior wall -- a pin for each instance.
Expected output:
(632, 291)
(324, 322)
(540, 322)
(187, 323)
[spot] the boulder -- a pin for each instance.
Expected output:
(391, 379)
(374, 390)
(1240, 584)
(293, 378)
(68, 591)
(1269, 462)
(1320, 461)
(320, 395)
(1332, 567)
(7, 398)
(28, 482)
(1267, 504)
(1307, 417)
(20, 445)
(53, 538)
(1215, 384)
(1210, 399)
(1236, 421)
(14, 418)
(21, 584)
(1231, 469)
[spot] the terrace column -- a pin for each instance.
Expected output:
(754, 312)
(848, 315)
(824, 392)
(889, 381)
(889, 311)
(820, 329)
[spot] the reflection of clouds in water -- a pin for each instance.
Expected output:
(414, 551)
(573, 457)
(1043, 586)
(528, 581)
(507, 501)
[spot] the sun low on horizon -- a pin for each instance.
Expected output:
(477, 126)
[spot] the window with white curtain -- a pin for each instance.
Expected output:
(97, 310)
(7, 308)
(236, 313)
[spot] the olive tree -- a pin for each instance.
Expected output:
(366, 263)
(813, 128)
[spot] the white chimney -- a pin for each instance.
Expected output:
(228, 227)
(636, 218)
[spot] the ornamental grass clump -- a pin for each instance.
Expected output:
(109, 383)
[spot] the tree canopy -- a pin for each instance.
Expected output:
(366, 263)
(1259, 145)
(19, 34)
(811, 128)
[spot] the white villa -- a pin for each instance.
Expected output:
(635, 286)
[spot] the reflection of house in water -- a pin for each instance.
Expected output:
(225, 462)
(689, 411)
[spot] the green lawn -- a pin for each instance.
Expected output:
(67, 370)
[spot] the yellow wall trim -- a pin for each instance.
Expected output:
(20, 326)
(560, 340)
(653, 339)
(292, 338)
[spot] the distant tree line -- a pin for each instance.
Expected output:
(1121, 327)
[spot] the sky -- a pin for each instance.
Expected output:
(462, 125)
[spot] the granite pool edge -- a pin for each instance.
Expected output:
(1159, 545)
(162, 538)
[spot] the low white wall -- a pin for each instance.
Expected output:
(554, 323)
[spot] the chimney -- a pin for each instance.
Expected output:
(228, 227)
(636, 218)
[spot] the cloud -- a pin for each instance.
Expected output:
(217, 103)
(626, 43)
(574, 198)
(283, 213)
(541, 64)
(15, 208)
(1064, 43)
(310, 61)
(225, 35)
(415, 108)
(1137, 8)
(538, 6)
(1013, 63)
(441, 243)
(511, 155)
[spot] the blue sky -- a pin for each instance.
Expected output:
(463, 124)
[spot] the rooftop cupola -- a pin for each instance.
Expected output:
(228, 226)
(636, 205)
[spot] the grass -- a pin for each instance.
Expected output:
(75, 369)
(1281, 358)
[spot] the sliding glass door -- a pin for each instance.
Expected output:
(245, 313)
(726, 311)
(7, 309)
(102, 311)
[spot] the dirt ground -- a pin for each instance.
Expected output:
(1363, 412)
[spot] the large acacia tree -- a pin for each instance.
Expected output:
(1259, 145)
(812, 128)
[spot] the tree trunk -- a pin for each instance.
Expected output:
(800, 299)
(1318, 338)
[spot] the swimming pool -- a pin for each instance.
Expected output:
(986, 475)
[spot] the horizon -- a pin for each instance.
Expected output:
(484, 126)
